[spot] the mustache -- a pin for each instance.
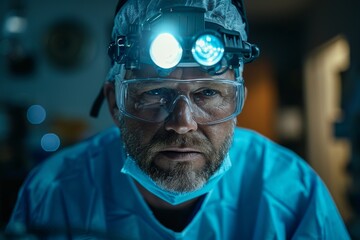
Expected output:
(167, 138)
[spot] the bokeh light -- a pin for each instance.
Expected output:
(36, 114)
(50, 142)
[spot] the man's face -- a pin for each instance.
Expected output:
(178, 154)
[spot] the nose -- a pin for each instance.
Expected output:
(181, 118)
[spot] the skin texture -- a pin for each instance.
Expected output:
(179, 154)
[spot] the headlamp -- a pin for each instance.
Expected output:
(165, 51)
(180, 37)
(208, 50)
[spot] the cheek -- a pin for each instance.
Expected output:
(219, 132)
(144, 131)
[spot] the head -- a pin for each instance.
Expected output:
(177, 120)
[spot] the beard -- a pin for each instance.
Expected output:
(181, 176)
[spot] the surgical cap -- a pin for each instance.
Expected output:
(222, 12)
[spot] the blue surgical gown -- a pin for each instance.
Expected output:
(269, 193)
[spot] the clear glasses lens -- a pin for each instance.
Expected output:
(211, 101)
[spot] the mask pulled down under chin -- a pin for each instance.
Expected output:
(132, 169)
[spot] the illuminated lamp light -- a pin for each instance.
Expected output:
(165, 51)
(208, 50)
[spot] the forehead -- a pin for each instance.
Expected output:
(147, 71)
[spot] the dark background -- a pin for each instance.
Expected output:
(57, 58)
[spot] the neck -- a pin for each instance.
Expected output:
(156, 202)
(175, 217)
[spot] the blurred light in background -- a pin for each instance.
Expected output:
(15, 24)
(36, 114)
(290, 123)
(327, 154)
(50, 142)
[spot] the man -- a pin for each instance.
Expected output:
(177, 167)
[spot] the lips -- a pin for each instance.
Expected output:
(180, 154)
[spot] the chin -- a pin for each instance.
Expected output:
(181, 178)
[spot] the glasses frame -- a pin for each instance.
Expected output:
(121, 95)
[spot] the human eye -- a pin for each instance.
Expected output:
(154, 96)
(209, 92)
(206, 93)
(157, 92)
(145, 92)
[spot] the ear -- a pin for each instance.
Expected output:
(109, 93)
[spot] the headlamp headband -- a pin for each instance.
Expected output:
(196, 43)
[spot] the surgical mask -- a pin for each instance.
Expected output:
(132, 169)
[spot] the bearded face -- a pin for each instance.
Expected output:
(176, 162)
(179, 154)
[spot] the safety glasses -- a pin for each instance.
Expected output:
(210, 101)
